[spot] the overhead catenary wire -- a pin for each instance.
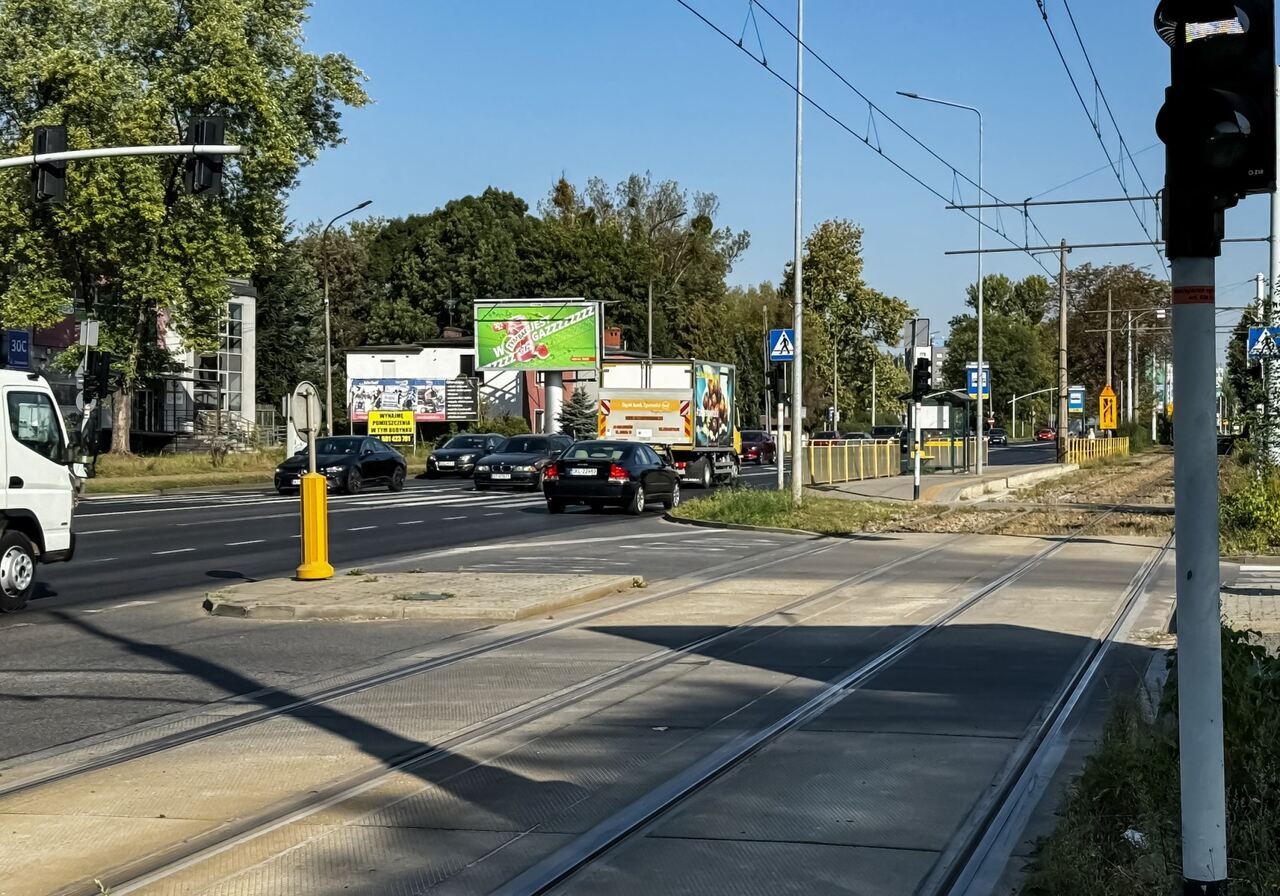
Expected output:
(1117, 165)
(840, 123)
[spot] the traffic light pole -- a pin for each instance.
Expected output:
(797, 371)
(105, 152)
(1195, 460)
(1063, 388)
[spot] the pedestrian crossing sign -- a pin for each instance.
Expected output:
(782, 345)
(1264, 342)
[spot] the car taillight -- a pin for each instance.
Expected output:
(618, 474)
(681, 465)
(552, 473)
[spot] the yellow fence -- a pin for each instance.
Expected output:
(1086, 451)
(851, 461)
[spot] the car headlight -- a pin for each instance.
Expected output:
(482, 468)
(335, 469)
(467, 458)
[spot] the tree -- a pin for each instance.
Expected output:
(578, 415)
(129, 241)
(845, 319)
(290, 324)
(1021, 361)
(1027, 299)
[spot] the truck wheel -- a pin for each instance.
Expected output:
(706, 473)
(17, 571)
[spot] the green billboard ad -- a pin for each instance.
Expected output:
(542, 335)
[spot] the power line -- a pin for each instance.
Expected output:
(1117, 166)
(866, 141)
(1081, 177)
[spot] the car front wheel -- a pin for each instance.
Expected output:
(397, 480)
(17, 571)
(354, 482)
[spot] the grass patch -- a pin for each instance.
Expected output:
(117, 474)
(1120, 830)
(828, 516)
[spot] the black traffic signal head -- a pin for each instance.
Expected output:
(1219, 120)
(48, 179)
(97, 375)
(921, 376)
(204, 172)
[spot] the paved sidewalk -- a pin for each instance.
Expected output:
(947, 488)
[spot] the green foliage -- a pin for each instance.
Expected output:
(1249, 511)
(1026, 299)
(773, 509)
(578, 415)
(1018, 350)
(129, 240)
(1138, 434)
(504, 425)
(1132, 783)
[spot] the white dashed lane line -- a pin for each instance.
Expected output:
(361, 528)
(236, 544)
(174, 551)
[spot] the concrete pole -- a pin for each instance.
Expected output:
(982, 416)
(835, 387)
(768, 408)
(1110, 367)
(873, 388)
(1195, 450)
(1271, 372)
(1153, 396)
(780, 456)
(650, 340)
(797, 369)
(1130, 385)
(915, 447)
(553, 401)
(1062, 353)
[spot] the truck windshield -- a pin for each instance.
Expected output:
(33, 420)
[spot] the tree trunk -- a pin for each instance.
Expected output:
(121, 422)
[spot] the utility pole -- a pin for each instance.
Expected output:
(1271, 371)
(1062, 352)
(835, 385)
(797, 371)
(768, 413)
(1130, 385)
(1110, 368)
(873, 388)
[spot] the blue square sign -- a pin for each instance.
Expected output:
(782, 345)
(18, 345)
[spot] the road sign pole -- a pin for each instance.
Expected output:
(915, 424)
(1204, 846)
(779, 454)
(797, 372)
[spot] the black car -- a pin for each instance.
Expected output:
(458, 456)
(519, 462)
(997, 436)
(757, 447)
(349, 463)
(619, 474)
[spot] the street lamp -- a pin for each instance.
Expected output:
(328, 339)
(653, 228)
(982, 419)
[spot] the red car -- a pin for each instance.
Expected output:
(1046, 435)
(757, 447)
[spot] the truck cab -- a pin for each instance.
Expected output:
(39, 487)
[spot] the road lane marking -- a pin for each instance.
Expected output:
(360, 528)
(499, 513)
(128, 603)
(99, 532)
(450, 519)
(236, 544)
(174, 551)
(412, 523)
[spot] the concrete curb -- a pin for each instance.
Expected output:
(1004, 484)
(742, 527)
(406, 607)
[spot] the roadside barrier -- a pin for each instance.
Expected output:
(1086, 451)
(850, 461)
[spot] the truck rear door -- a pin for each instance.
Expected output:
(35, 446)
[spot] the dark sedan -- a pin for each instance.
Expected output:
(619, 474)
(519, 462)
(997, 436)
(757, 447)
(349, 463)
(458, 456)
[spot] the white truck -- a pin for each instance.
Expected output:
(688, 406)
(40, 488)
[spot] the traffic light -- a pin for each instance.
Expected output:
(1218, 118)
(48, 179)
(780, 380)
(204, 172)
(921, 377)
(97, 375)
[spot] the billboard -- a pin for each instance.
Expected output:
(713, 405)
(546, 335)
(462, 399)
(393, 427)
(425, 397)
(661, 417)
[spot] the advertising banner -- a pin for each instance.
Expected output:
(551, 335)
(425, 398)
(393, 427)
(713, 405)
(462, 400)
(650, 416)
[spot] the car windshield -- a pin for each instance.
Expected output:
(752, 437)
(465, 442)
(336, 446)
(997, 432)
(597, 452)
(885, 431)
(524, 445)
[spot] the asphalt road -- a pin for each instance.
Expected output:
(1023, 453)
(135, 547)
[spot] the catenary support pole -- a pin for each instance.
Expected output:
(915, 450)
(780, 454)
(1195, 452)
(797, 367)
(1271, 372)
(1110, 366)
(1153, 396)
(1062, 353)
(553, 401)
(1128, 380)
(764, 371)
(873, 389)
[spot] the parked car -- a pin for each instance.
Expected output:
(856, 436)
(825, 437)
(1046, 435)
(519, 462)
(349, 463)
(757, 447)
(600, 473)
(458, 456)
(886, 432)
(997, 436)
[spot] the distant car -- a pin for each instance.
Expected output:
(826, 437)
(603, 473)
(519, 462)
(757, 447)
(1046, 435)
(997, 436)
(856, 436)
(886, 432)
(349, 463)
(458, 456)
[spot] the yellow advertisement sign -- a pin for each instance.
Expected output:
(645, 417)
(393, 427)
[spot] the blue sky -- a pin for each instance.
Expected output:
(513, 94)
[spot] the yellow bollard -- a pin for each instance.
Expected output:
(315, 529)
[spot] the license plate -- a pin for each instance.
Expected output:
(501, 475)
(582, 471)
(297, 482)
(444, 463)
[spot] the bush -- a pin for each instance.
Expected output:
(1139, 436)
(1249, 511)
